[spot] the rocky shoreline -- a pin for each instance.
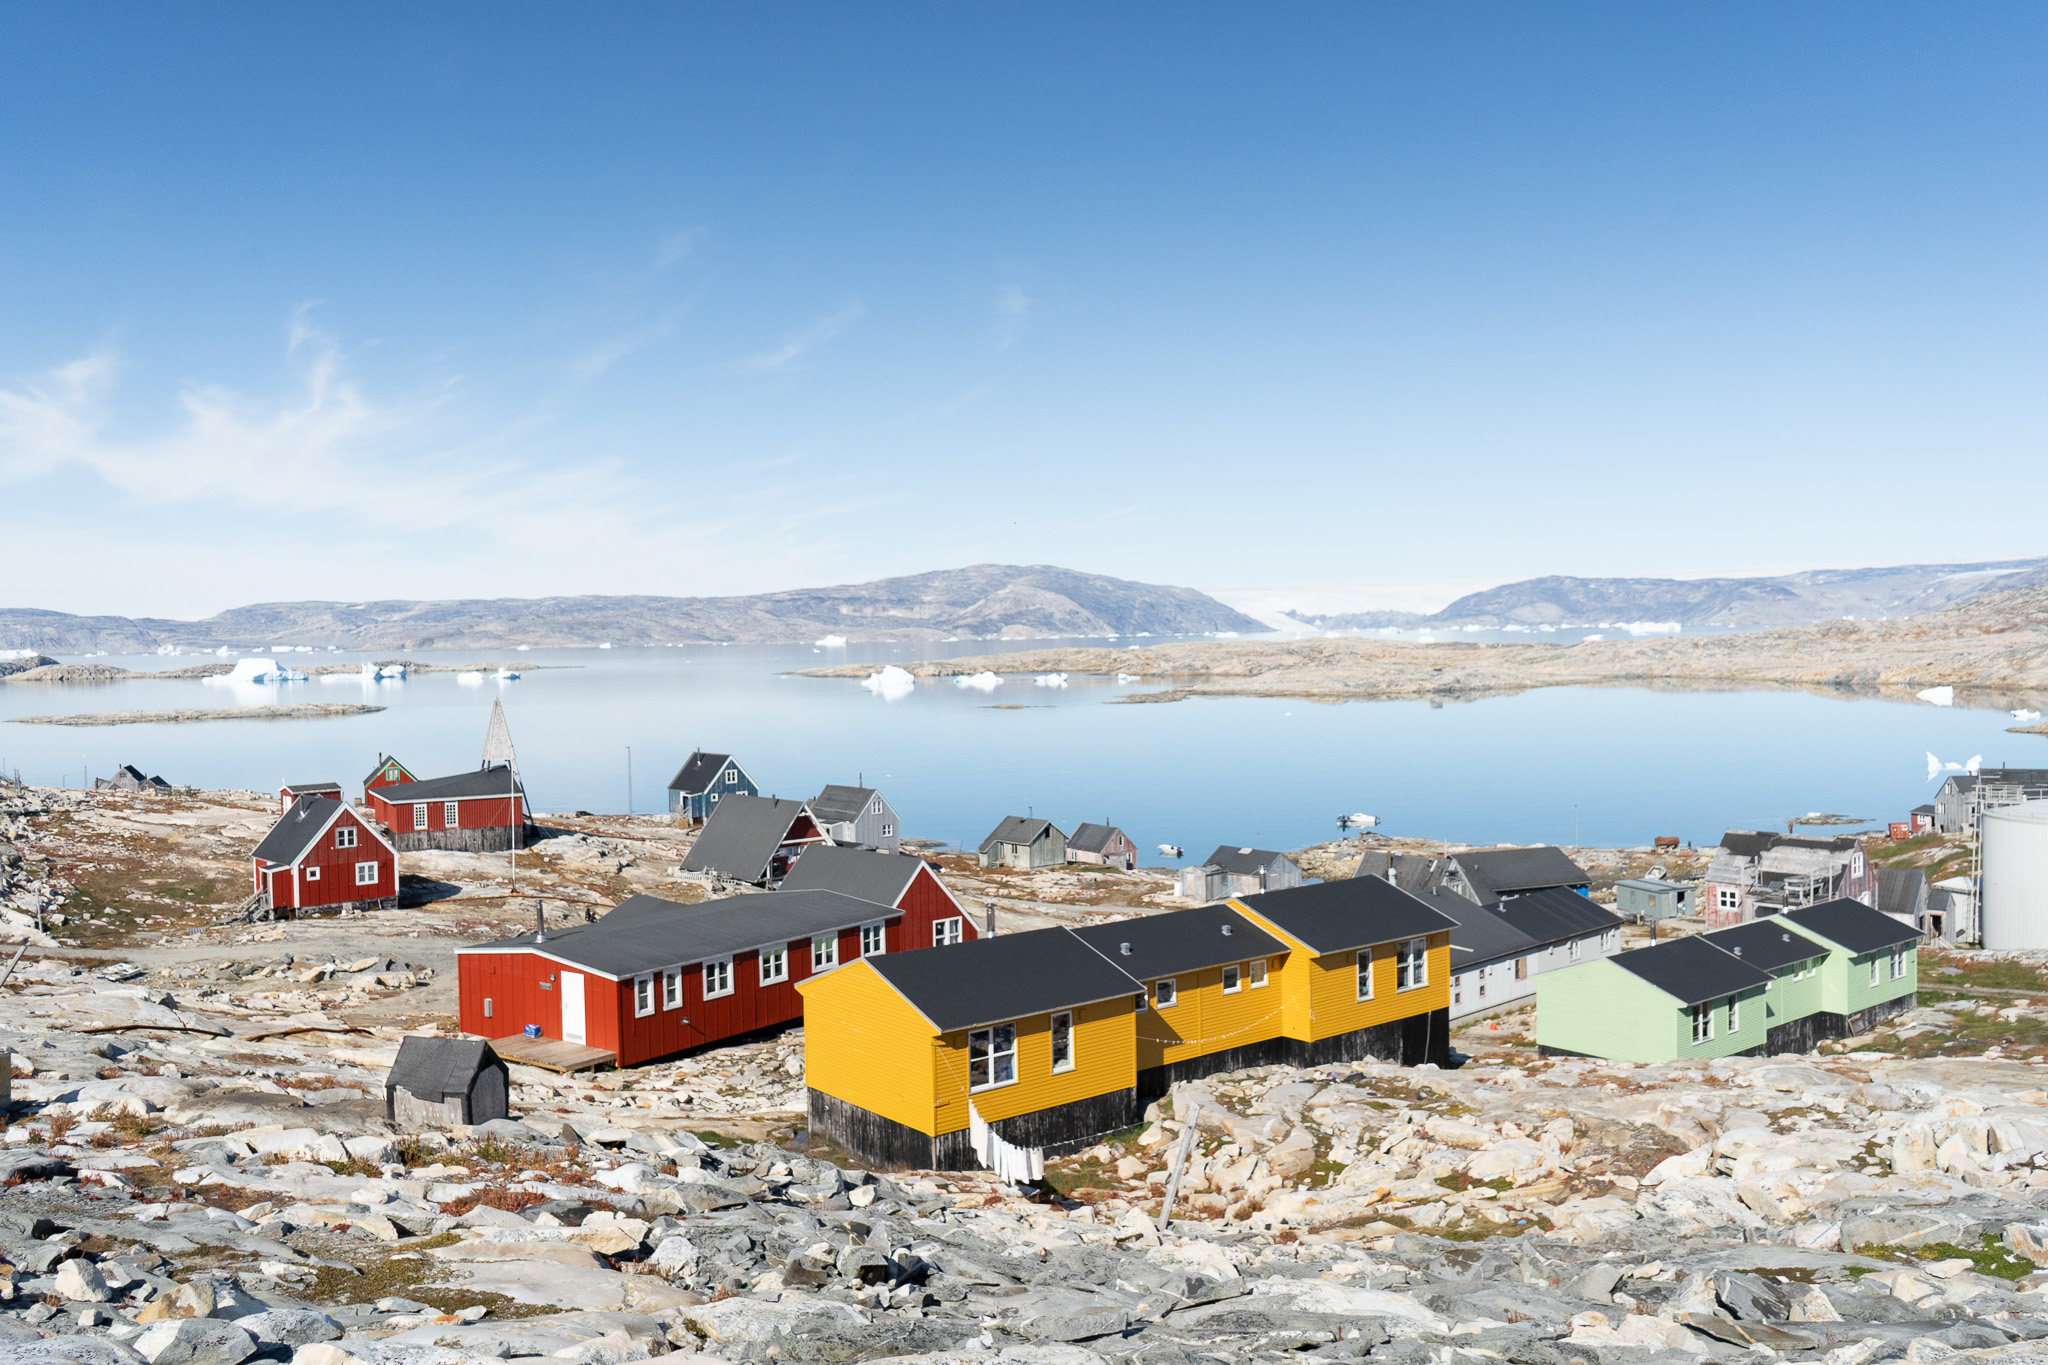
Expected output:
(292, 711)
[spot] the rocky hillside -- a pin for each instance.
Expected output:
(1789, 600)
(983, 601)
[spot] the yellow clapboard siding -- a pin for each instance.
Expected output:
(866, 1045)
(1320, 994)
(1205, 1020)
(1105, 1060)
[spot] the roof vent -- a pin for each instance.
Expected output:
(1124, 948)
(1244, 850)
(1786, 937)
(1226, 931)
(1738, 950)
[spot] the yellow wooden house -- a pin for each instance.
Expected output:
(1367, 973)
(1033, 1032)
(1213, 999)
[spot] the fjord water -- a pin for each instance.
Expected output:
(1594, 765)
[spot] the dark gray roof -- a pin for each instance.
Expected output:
(1748, 843)
(1331, 917)
(1483, 936)
(382, 760)
(1766, 945)
(1093, 838)
(1496, 872)
(438, 1068)
(297, 828)
(1008, 976)
(1691, 970)
(1554, 915)
(1901, 890)
(838, 804)
(497, 781)
(866, 873)
(305, 788)
(644, 933)
(697, 772)
(1921, 810)
(1019, 829)
(1180, 941)
(2023, 776)
(1241, 861)
(742, 835)
(1853, 925)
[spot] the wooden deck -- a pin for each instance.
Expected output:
(552, 1054)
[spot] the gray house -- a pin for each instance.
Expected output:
(129, 778)
(1103, 845)
(1965, 794)
(438, 1082)
(1024, 842)
(753, 839)
(1652, 899)
(703, 781)
(1238, 872)
(1498, 951)
(1483, 876)
(857, 815)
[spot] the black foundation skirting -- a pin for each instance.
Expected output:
(1405, 1042)
(495, 839)
(1800, 1035)
(1865, 1020)
(1155, 1081)
(885, 1144)
(1546, 1050)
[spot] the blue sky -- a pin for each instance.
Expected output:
(512, 300)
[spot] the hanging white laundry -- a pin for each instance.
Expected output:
(1018, 1165)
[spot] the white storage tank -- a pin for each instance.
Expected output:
(2015, 904)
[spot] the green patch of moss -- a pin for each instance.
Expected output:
(1460, 1182)
(411, 1277)
(1992, 1257)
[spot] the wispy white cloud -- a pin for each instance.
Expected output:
(594, 362)
(798, 343)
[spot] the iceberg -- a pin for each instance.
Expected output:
(1937, 696)
(1128, 678)
(2026, 717)
(507, 675)
(832, 642)
(983, 681)
(891, 684)
(258, 670)
(470, 678)
(1050, 680)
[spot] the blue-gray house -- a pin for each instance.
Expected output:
(704, 781)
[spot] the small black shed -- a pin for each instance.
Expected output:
(441, 1081)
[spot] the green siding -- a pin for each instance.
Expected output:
(1845, 976)
(1602, 1010)
(1792, 996)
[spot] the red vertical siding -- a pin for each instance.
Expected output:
(924, 902)
(337, 884)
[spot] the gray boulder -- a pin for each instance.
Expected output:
(68, 1351)
(289, 1326)
(195, 1341)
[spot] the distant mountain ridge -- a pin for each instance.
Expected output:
(982, 601)
(1799, 599)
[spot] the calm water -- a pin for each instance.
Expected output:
(1600, 766)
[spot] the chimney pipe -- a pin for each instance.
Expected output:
(540, 921)
(990, 927)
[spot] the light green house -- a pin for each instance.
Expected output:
(1683, 997)
(1780, 984)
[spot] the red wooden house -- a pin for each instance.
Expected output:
(292, 791)
(479, 812)
(321, 855)
(655, 977)
(389, 772)
(932, 917)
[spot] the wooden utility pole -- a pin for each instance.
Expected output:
(1180, 1162)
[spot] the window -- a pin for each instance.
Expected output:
(1165, 993)
(1734, 1015)
(1873, 969)
(1482, 983)
(824, 952)
(312, 874)
(714, 798)
(366, 874)
(992, 1057)
(1258, 972)
(717, 978)
(774, 965)
(873, 940)
(672, 988)
(487, 1007)
(945, 931)
(1458, 989)
(1411, 965)
(1898, 963)
(643, 995)
(732, 779)
(451, 815)
(1231, 977)
(419, 816)
(1138, 1003)
(1063, 1041)
(1365, 973)
(1521, 969)
(888, 831)
(1702, 1024)
(1611, 939)
(345, 837)
(1572, 950)
(1728, 898)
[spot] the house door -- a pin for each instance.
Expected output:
(572, 1008)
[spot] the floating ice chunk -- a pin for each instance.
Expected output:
(1050, 680)
(1937, 696)
(507, 675)
(470, 678)
(606, 645)
(259, 670)
(983, 681)
(832, 642)
(1127, 678)
(1652, 627)
(891, 683)
(2026, 717)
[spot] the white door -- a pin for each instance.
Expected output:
(572, 1008)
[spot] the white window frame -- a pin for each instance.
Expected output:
(732, 778)
(1572, 950)
(779, 956)
(451, 815)
(345, 836)
(1233, 978)
(1727, 898)
(1255, 972)
(879, 933)
(313, 872)
(643, 995)
(1898, 963)
(368, 873)
(948, 931)
(671, 988)
(1411, 965)
(717, 970)
(1873, 969)
(888, 831)
(998, 1044)
(419, 815)
(1165, 993)
(1702, 1023)
(1062, 1028)
(1734, 1015)
(824, 952)
(1365, 973)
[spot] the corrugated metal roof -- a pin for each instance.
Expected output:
(1853, 925)
(742, 835)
